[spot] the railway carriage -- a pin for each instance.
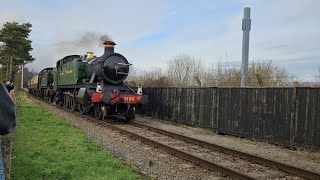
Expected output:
(41, 84)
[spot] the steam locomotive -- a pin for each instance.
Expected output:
(88, 83)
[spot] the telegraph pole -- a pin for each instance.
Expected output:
(246, 26)
(22, 66)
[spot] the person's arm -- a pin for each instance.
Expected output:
(9, 86)
(7, 111)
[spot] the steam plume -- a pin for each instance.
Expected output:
(87, 42)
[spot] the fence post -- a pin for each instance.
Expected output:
(217, 110)
(293, 121)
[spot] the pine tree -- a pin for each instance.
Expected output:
(15, 47)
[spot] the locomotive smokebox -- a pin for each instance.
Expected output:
(109, 47)
(111, 67)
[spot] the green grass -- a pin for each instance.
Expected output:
(45, 147)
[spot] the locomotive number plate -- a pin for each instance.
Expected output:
(128, 98)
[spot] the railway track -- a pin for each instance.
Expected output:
(253, 158)
(261, 168)
(232, 163)
(174, 151)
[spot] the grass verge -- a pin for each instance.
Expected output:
(46, 147)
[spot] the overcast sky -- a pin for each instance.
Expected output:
(151, 32)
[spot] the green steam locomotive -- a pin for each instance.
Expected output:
(90, 84)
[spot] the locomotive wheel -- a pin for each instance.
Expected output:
(57, 100)
(131, 115)
(60, 102)
(82, 108)
(66, 101)
(50, 99)
(73, 104)
(129, 118)
(98, 114)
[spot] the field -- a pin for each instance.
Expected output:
(45, 147)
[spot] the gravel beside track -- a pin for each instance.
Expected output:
(246, 167)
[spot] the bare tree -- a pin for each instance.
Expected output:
(185, 71)
(152, 78)
(317, 84)
(261, 73)
(219, 76)
(264, 73)
(208, 78)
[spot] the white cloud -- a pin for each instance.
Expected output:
(281, 30)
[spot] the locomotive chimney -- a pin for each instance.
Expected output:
(109, 47)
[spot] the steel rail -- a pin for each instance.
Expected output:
(257, 159)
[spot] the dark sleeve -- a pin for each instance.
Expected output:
(7, 111)
(9, 88)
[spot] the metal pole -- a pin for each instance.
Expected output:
(246, 26)
(22, 76)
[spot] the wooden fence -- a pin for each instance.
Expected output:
(290, 116)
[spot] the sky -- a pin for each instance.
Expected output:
(151, 32)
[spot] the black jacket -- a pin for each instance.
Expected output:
(7, 111)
